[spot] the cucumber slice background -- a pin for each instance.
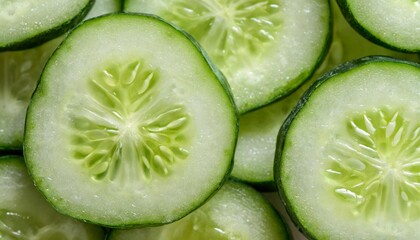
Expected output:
(360, 202)
(29, 23)
(258, 131)
(19, 74)
(24, 213)
(266, 49)
(236, 211)
(183, 114)
(392, 24)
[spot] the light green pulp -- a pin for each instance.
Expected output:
(375, 166)
(234, 33)
(126, 130)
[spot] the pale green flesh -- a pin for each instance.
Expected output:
(130, 125)
(236, 212)
(23, 20)
(24, 213)
(251, 41)
(376, 166)
(258, 129)
(19, 74)
(254, 153)
(125, 131)
(396, 23)
(356, 158)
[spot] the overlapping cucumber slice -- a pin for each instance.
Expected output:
(19, 75)
(237, 211)
(392, 24)
(24, 213)
(140, 133)
(347, 157)
(28, 23)
(258, 131)
(266, 49)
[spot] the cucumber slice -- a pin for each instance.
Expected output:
(102, 7)
(237, 211)
(141, 132)
(19, 75)
(347, 156)
(254, 153)
(24, 213)
(258, 129)
(392, 24)
(28, 23)
(266, 49)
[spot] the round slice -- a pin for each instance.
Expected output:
(237, 211)
(27, 23)
(347, 160)
(24, 213)
(392, 24)
(19, 75)
(266, 49)
(131, 124)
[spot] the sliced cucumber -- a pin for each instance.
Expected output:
(348, 154)
(266, 49)
(24, 213)
(254, 153)
(19, 75)
(102, 7)
(392, 24)
(141, 132)
(258, 130)
(237, 211)
(27, 23)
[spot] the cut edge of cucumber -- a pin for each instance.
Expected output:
(39, 38)
(282, 135)
(359, 27)
(223, 83)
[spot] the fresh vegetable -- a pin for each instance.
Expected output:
(140, 133)
(266, 49)
(237, 211)
(19, 75)
(24, 213)
(254, 154)
(347, 157)
(392, 24)
(28, 23)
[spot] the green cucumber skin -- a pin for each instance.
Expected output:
(40, 93)
(356, 25)
(289, 121)
(49, 34)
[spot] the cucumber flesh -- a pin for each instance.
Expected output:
(254, 154)
(101, 7)
(28, 23)
(24, 213)
(347, 156)
(140, 133)
(19, 75)
(253, 42)
(392, 24)
(236, 211)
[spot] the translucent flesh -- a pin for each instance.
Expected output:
(24, 213)
(236, 212)
(375, 166)
(19, 74)
(125, 131)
